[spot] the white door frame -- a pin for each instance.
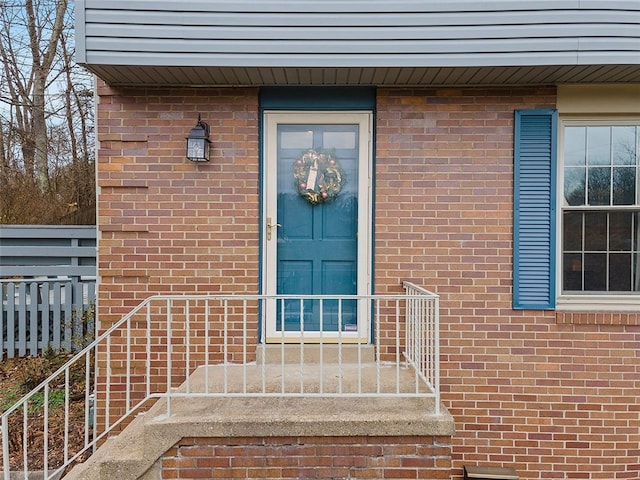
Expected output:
(271, 121)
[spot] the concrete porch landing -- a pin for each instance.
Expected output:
(330, 380)
(134, 453)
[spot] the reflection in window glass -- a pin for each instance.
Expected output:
(301, 140)
(339, 139)
(574, 185)
(599, 179)
(624, 185)
(624, 145)
(599, 145)
(575, 144)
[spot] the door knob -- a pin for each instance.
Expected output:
(270, 226)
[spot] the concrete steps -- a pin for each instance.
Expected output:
(352, 407)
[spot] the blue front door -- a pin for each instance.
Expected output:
(313, 219)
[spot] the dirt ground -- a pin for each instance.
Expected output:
(20, 376)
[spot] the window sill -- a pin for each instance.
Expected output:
(599, 303)
(598, 310)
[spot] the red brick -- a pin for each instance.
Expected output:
(542, 381)
(268, 458)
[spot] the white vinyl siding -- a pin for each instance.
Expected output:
(355, 36)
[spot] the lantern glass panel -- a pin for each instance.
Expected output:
(196, 148)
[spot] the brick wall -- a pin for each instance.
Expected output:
(167, 225)
(552, 396)
(309, 457)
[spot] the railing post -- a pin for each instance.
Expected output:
(148, 351)
(5, 447)
(187, 334)
(244, 343)
(436, 353)
(127, 366)
(206, 346)
(169, 362)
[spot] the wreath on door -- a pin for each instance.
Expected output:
(318, 176)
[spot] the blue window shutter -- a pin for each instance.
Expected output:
(534, 276)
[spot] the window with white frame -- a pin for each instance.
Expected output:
(600, 207)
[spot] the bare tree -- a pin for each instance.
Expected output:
(42, 62)
(46, 117)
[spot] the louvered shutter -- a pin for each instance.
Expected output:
(534, 209)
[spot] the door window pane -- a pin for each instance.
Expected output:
(301, 139)
(339, 139)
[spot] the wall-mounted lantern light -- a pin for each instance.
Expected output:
(198, 142)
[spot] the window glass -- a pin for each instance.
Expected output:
(620, 272)
(596, 224)
(599, 189)
(599, 145)
(575, 144)
(621, 231)
(600, 209)
(572, 231)
(624, 185)
(624, 145)
(595, 272)
(575, 185)
(572, 271)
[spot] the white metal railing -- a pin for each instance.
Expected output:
(422, 347)
(193, 345)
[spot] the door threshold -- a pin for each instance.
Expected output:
(316, 353)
